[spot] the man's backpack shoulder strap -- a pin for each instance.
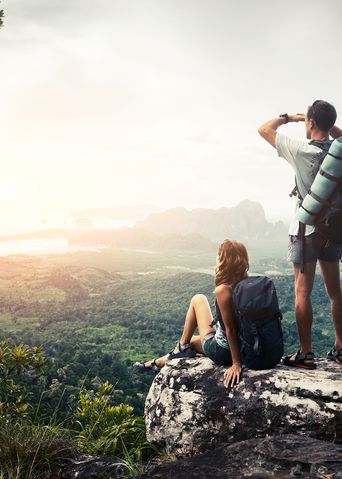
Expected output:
(322, 144)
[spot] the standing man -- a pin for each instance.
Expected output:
(301, 154)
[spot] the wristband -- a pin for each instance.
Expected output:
(285, 116)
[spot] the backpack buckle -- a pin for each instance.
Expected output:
(256, 345)
(294, 192)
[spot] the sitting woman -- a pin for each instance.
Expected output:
(220, 345)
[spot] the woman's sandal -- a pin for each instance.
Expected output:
(182, 351)
(301, 360)
(153, 370)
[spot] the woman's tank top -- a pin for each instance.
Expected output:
(220, 334)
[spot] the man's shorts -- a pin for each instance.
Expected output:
(315, 248)
(215, 352)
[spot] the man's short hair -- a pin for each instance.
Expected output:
(323, 114)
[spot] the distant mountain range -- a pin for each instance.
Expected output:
(245, 221)
(180, 229)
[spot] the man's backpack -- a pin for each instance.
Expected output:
(258, 317)
(328, 222)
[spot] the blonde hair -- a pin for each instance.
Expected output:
(232, 262)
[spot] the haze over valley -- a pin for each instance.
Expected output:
(174, 229)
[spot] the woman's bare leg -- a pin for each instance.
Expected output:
(160, 362)
(198, 316)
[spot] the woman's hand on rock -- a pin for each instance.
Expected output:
(232, 375)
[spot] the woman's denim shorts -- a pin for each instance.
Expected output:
(215, 352)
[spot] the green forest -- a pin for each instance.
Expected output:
(82, 320)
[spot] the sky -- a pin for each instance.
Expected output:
(156, 102)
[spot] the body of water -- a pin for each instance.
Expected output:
(41, 246)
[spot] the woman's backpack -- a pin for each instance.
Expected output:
(259, 319)
(258, 316)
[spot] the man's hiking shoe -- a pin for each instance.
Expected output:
(335, 355)
(182, 351)
(152, 370)
(300, 360)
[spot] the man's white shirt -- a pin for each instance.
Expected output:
(301, 157)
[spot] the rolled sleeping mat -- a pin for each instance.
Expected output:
(327, 179)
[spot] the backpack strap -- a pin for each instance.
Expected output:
(330, 177)
(255, 332)
(324, 145)
(295, 192)
(334, 156)
(319, 199)
(302, 245)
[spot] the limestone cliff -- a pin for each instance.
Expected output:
(245, 221)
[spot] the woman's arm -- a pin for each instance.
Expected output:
(224, 300)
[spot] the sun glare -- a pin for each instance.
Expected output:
(11, 188)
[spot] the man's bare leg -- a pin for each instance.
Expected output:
(303, 288)
(330, 272)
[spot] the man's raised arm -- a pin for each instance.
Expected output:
(269, 129)
(335, 132)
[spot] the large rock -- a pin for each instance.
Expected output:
(278, 457)
(189, 410)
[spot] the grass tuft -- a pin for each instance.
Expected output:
(31, 452)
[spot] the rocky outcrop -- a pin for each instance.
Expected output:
(84, 466)
(189, 410)
(280, 457)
